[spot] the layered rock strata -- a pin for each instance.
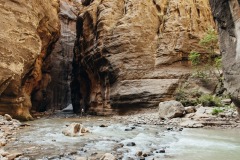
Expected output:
(61, 58)
(132, 53)
(28, 32)
(226, 14)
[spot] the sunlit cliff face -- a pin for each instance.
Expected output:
(28, 32)
(131, 54)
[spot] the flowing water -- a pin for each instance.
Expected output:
(44, 138)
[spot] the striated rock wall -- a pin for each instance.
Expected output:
(28, 31)
(60, 59)
(132, 53)
(226, 14)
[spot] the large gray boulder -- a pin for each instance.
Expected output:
(170, 109)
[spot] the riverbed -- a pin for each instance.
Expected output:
(43, 139)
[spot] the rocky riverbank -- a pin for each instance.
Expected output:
(8, 130)
(194, 117)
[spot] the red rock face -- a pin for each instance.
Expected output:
(29, 30)
(131, 54)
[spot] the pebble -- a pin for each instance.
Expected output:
(147, 154)
(139, 153)
(161, 151)
(128, 129)
(103, 125)
(131, 144)
(3, 142)
(169, 128)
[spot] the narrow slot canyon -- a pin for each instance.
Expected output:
(119, 79)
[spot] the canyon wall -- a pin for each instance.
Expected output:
(226, 13)
(28, 31)
(133, 53)
(61, 57)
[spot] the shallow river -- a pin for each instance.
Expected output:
(44, 138)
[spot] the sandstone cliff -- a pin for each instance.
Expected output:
(60, 59)
(28, 31)
(132, 53)
(226, 13)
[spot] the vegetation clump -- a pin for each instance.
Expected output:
(207, 65)
(216, 111)
(210, 100)
(207, 71)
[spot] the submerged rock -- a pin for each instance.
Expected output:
(131, 144)
(75, 130)
(170, 109)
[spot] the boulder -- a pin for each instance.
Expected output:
(8, 117)
(226, 101)
(190, 109)
(170, 109)
(203, 112)
(75, 130)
